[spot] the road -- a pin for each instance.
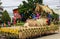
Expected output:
(53, 36)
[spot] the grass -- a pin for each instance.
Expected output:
(20, 24)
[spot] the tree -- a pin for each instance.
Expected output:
(30, 4)
(55, 18)
(38, 1)
(27, 8)
(0, 2)
(5, 17)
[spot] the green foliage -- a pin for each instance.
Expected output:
(5, 17)
(0, 3)
(30, 4)
(38, 1)
(27, 8)
(55, 15)
(20, 24)
(55, 18)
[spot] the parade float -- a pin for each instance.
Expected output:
(26, 32)
(32, 27)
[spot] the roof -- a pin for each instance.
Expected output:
(43, 8)
(47, 9)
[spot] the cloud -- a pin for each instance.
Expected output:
(51, 3)
(10, 2)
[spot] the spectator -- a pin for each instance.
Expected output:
(4, 24)
(9, 23)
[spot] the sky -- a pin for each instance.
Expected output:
(52, 4)
(10, 3)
